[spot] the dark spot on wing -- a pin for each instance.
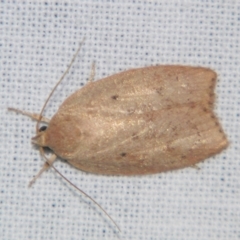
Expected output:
(115, 97)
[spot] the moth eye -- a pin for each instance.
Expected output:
(42, 128)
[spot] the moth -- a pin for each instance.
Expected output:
(141, 121)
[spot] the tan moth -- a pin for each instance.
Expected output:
(141, 121)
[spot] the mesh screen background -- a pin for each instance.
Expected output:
(38, 40)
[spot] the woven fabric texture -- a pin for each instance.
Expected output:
(37, 42)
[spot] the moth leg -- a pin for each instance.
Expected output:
(45, 167)
(33, 116)
(92, 74)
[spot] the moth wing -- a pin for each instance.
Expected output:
(150, 143)
(144, 89)
(143, 120)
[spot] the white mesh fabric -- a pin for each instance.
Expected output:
(38, 40)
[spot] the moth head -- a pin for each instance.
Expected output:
(40, 138)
